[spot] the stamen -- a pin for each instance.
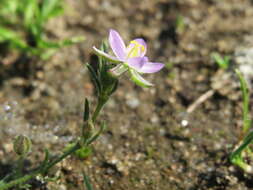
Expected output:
(138, 45)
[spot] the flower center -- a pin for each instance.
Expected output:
(135, 49)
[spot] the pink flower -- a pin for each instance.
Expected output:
(131, 58)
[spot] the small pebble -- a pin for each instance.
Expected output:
(184, 123)
(133, 103)
(7, 108)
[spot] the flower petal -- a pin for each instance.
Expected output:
(117, 44)
(137, 78)
(144, 45)
(135, 62)
(150, 67)
(106, 56)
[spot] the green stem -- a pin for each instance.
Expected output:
(20, 166)
(60, 158)
(100, 105)
(40, 170)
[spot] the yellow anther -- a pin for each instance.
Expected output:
(138, 45)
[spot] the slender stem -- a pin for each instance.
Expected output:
(19, 180)
(40, 170)
(101, 103)
(20, 165)
(60, 158)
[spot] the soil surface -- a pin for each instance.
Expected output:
(154, 139)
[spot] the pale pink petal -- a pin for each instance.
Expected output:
(117, 44)
(150, 67)
(135, 62)
(106, 56)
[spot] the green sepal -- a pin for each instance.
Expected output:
(137, 79)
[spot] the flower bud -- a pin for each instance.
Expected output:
(22, 145)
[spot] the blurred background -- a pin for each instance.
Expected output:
(156, 138)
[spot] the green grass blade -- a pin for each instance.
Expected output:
(7, 35)
(67, 42)
(51, 8)
(236, 156)
(245, 94)
(87, 183)
(247, 140)
(29, 10)
(221, 62)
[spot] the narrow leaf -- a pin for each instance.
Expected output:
(115, 87)
(49, 44)
(94, 78)
(87, 183)
(29, 11)
(49, 7)
(86, 110)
